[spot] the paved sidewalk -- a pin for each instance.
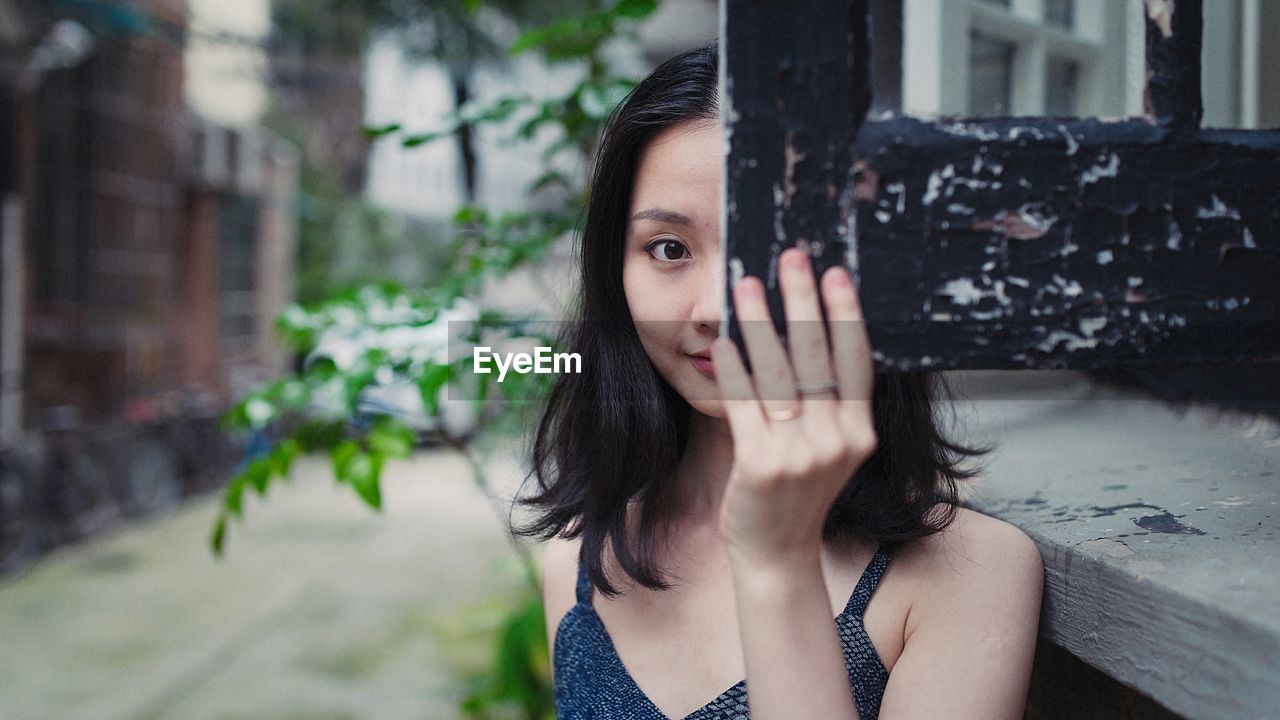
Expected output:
(321, 608)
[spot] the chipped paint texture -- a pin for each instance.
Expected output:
(1160, 13)
(1095, 242)
(1106, 546)
(1008, 242)
(1157, 526)
(1097, 172)
(790, 155)
(1174, 39)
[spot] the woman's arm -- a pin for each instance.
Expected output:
(971, 631)
(559, 579)
(791, 460)
(970, 634)
(790, 645)
(970, 641)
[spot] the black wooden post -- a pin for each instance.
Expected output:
(1175, 29)
(791, 119)
(1003, 243)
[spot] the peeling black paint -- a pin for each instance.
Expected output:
(798, 84)
(1155, 520)
(1160, 521)
(1046, 243)
(1174, 38)
(1113, 509)
(1166, 523)
(1005, 243)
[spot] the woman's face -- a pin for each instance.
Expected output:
(671, 269)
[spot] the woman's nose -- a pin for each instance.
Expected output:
(710, 299)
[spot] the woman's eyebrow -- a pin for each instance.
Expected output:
(660, 215)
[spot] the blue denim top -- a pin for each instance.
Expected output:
(591, 681)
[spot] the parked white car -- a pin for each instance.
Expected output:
(393, 394)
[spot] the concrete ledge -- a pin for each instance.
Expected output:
(1158, 529)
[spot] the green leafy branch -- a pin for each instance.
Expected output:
(487, 246)
(357, 453)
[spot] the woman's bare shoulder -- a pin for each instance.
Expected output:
(971, 628)
(972, 555)
(559, 578)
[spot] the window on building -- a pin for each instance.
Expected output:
(1060, 12)
(990, 75)
(60, 217)
(1061, 88)
(238, 300)
(1028, 58)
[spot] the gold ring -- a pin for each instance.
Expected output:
(783, 415)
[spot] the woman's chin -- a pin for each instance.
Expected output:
(709, 407)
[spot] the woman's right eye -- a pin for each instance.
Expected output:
(668, 249)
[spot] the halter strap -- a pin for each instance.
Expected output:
(857, 604)
(583, 589)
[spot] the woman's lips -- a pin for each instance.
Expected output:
(703, 364)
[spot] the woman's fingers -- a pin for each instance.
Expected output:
(770, 368)
(850, 344)
(740, 403)
(806, 337)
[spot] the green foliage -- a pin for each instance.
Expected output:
(577, 117)
(521, 674)
(485, 246)
(574, 38)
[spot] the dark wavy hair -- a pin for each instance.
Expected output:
(613, 434)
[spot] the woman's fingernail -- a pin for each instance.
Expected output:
(797, 260)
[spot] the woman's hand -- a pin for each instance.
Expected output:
(789, 468)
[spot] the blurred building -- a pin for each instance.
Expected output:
(428, 181)
(241, 184)
(148, 217)
(147, 222)
(1075, 58)
(932, 58)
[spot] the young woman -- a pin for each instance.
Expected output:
(713, 531)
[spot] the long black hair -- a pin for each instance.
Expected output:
(611, 436)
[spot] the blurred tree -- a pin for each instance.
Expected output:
(317, 79)
(314, 38)
(487, 246)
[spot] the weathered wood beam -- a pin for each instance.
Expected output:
(1157, 527)
(1039, 243)
(790, 119)
(1004, 243)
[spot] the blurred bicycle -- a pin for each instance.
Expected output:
(72, 480)
(74, 492)
(19, 534)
